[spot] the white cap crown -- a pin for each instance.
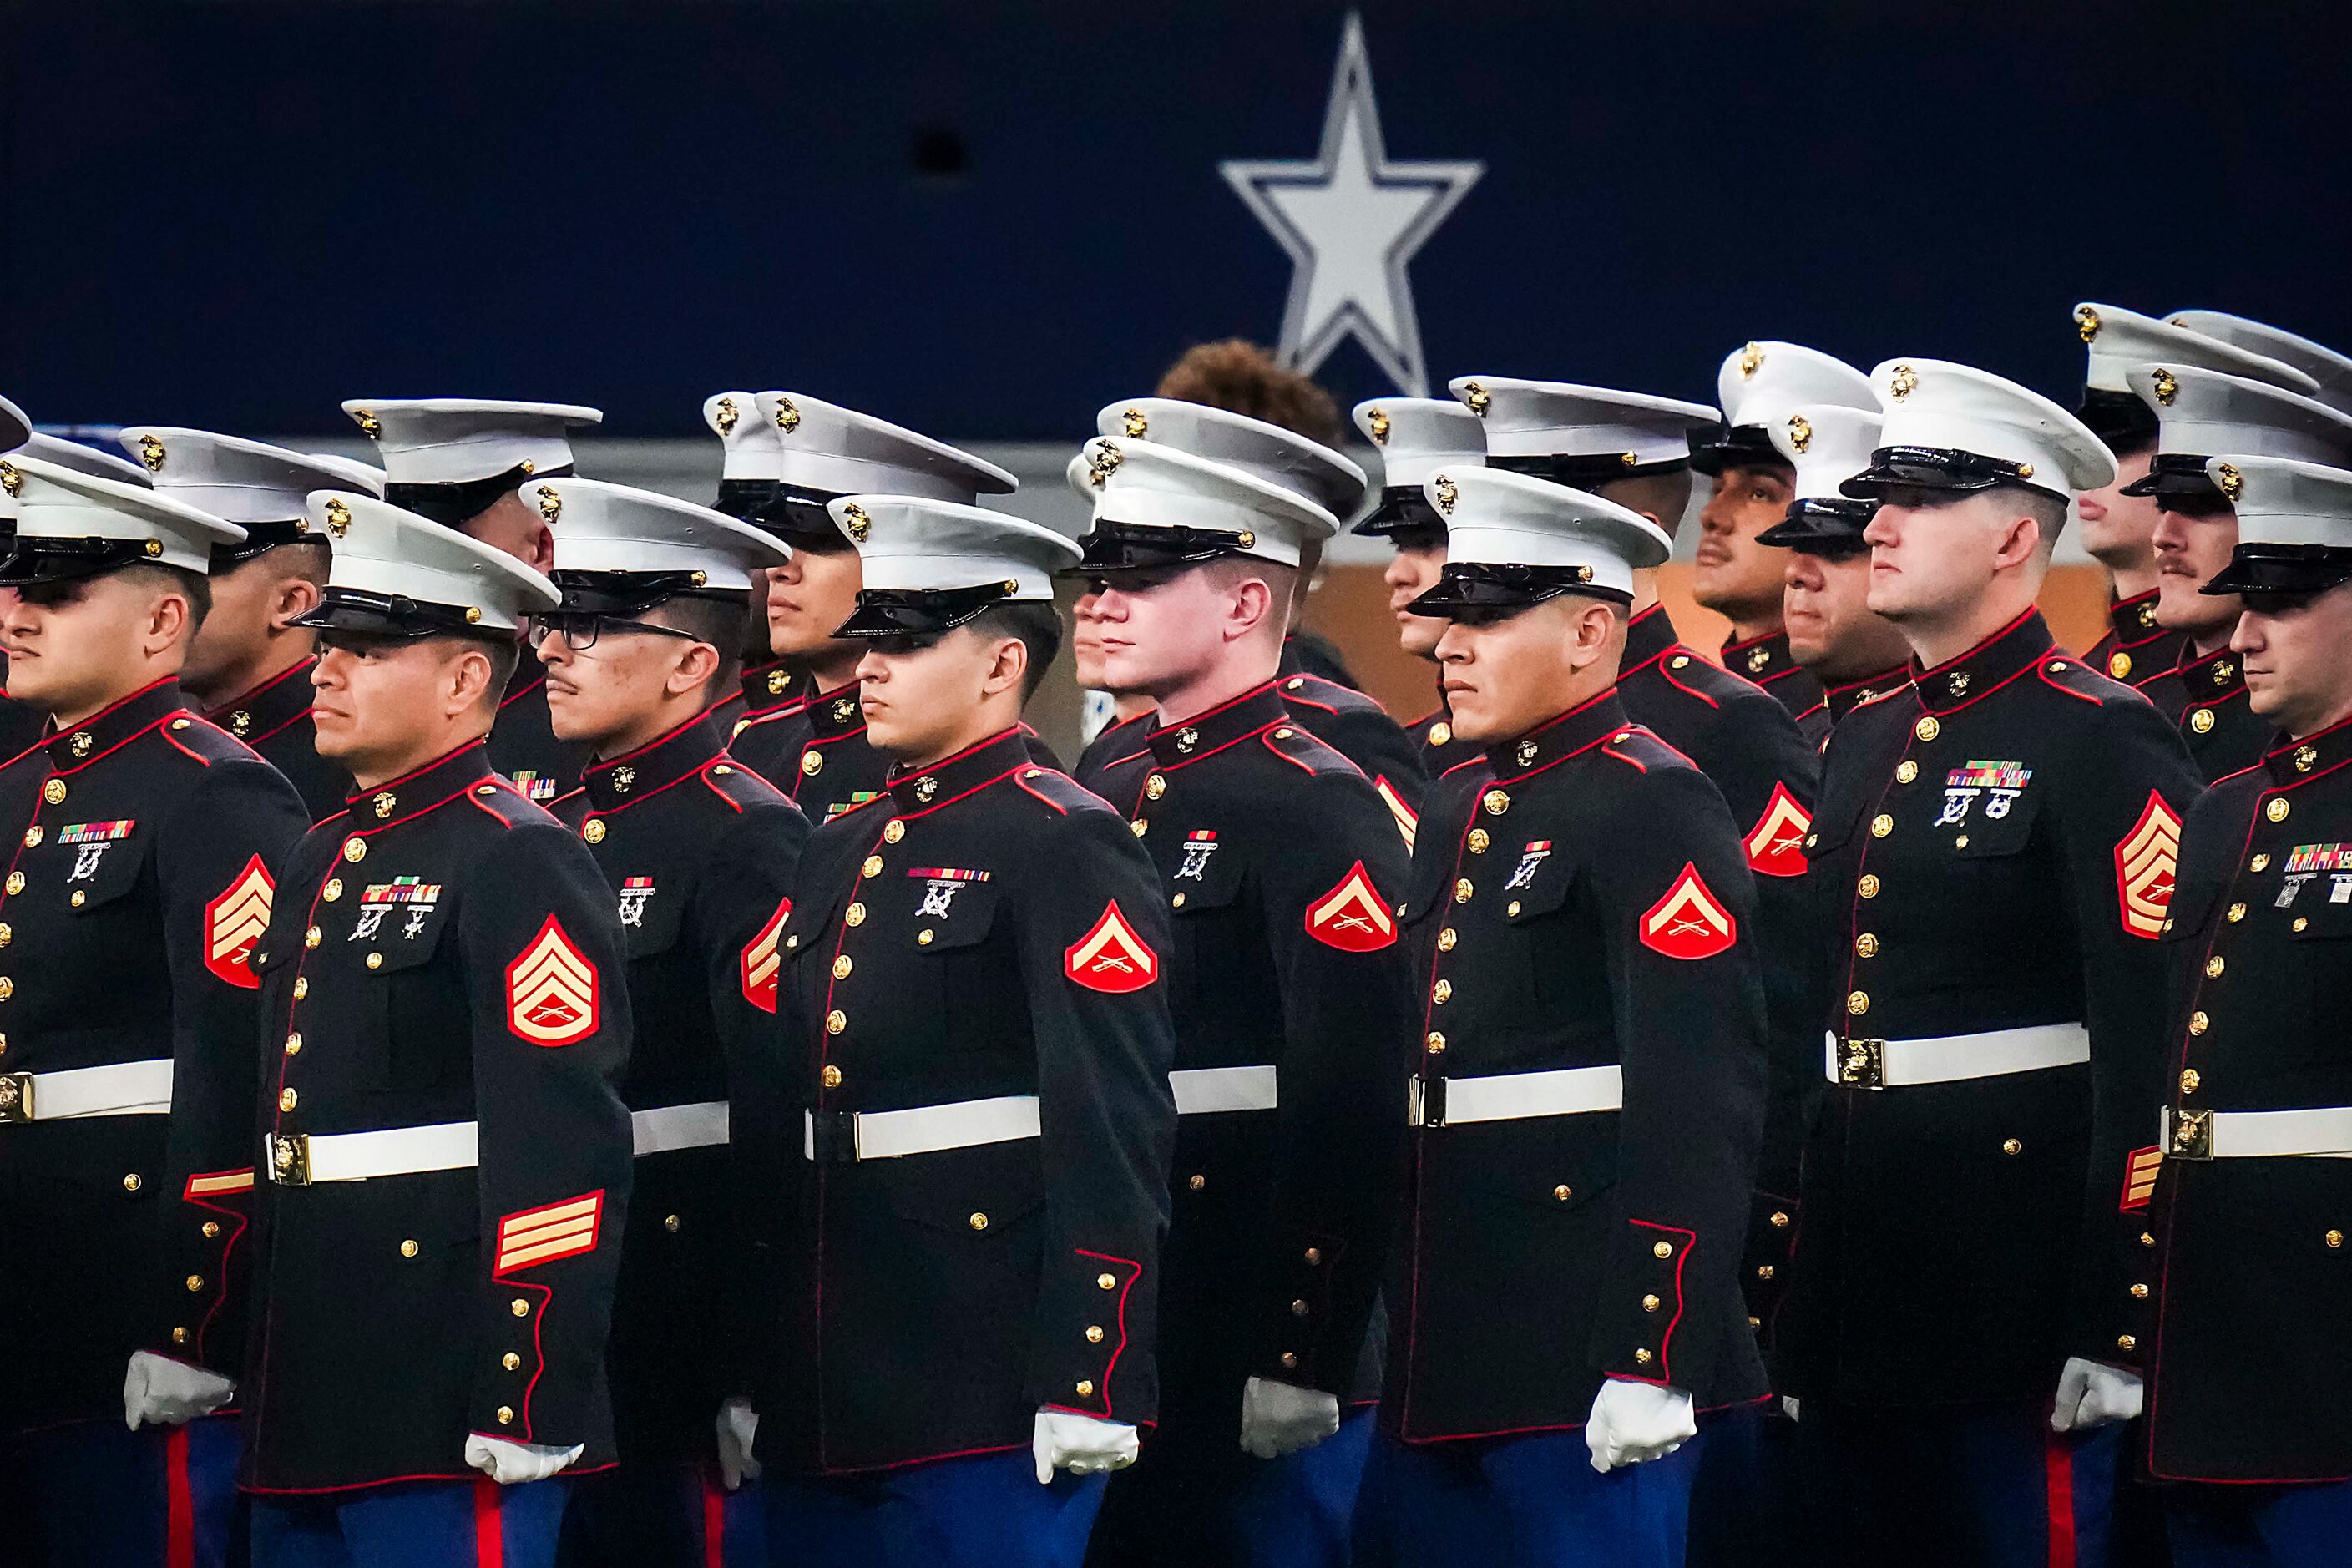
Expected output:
(381, 549)
(1418, 435)
(1496, 518)
(463, 440)
(604, 527)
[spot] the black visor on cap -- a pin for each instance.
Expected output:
(627, 593)
(2293, 569)
(1822, 527)
(2122, 419)
(1733, 447)
(791, 514)
(396, 615)
(1115, 546)
(1475, 585)
(1934, 468)
(1403, 509)
(260, 539)
(42, 560)
(1585, 471)
(455, 505)
(919, 611)
(2175, 476)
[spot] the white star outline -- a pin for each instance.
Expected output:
(1351, 220)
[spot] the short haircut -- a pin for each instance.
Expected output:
(504, 654)
(1228, 570)
(1665, 495)
(2044, 507)
(192, 587)
(720, 623)
(305, 558)
(1036, 624)
(1240, 377)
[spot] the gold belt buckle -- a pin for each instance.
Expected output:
(1861, 1064)
(2192, 1135)
(15, 1097)
(289, 1158)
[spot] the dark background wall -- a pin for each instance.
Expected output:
(985, 219)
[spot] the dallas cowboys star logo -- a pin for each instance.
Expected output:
(1351, 220)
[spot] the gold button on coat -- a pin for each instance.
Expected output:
(1926, 729)
(1868, 886)
(2277, 809)
(1462, 891)
(408, 1248)
(1881, 826)
(1105, 1281)
(355, 849)
(832, 1075)
(1446, 939)
(54, 792)
(1907, 772)
(1866, 945)
(1478, 841)
(894, 832)
(511, 1362)
(1496, 801)
(1094, 1334)
(1086, 1388)
(812, 763)
(1663, 1249)
(842, 966)
(593, 831)
(519, 1307)
(287, 1099)
(873, 867)
(835, 1021)
(854, 915)
(1857, 1002)
(1155, 786)
(978, 1221)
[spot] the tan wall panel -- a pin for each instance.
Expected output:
(1350, 607)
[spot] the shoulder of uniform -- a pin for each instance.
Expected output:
(741, 788)
(2077, 679)
(767, 716)
(569, 807)
(499, 799)
(1058, 791)
(1302, 750)
(205, 741)
(1316, 691)
(1640, 750)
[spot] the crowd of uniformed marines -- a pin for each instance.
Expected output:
(541, 1023)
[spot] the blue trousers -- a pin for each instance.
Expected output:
(987, 1512)
(1520, 1502)
(1202, 1502)
(1988, 1485)
(418, 1524)
(2260, 1527)
(96, 1495)
(634, 1516)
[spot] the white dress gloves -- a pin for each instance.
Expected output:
(1081, 1444)
(1633, 1421)
(1280, 1418)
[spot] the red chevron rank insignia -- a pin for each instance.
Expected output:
(2145, 862)
(1690, 921)
(1776, 846)
(1111, 957)
(761, 963)
(1352, 917)
(234, 921)
(552, 990)
(2140, 1167)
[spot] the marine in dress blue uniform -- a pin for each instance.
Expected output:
(22, 724)
(1634, 449)
(2201, 413)
(750, 480)
(445, 1163)
(1759, 385)
(145, 847)
(810, 743)
(2240, 1284)
(1343, 718)
(1281, 863)
(251, 665)
(2119, 520)
(699, 852)
(1589, 1097)
(2000, 838)
(460, 462)
(1855, 655)
(973, 1007)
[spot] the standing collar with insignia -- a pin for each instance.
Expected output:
(1582, 726)
(1237, 719)
(114, 725)
(1986, 668)
(625, 780)
(269, 706)
(2133, 620)
(916, 791)
(835, 714)
(1844, 699)
(1761, 659)
(2218, 675)
(1649, 636)
(444, 778)
(2297, 761)
(767, 685)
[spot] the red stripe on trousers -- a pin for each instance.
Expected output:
(2058, 1472)
(714, 1522)
(179, 1505)
(489, 1533)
